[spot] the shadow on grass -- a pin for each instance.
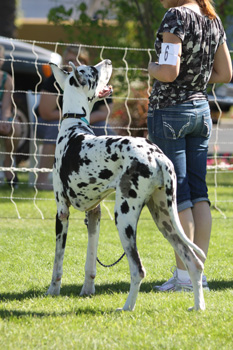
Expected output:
(74, 291)
(10, 314)
(101, 289)
(30, 294)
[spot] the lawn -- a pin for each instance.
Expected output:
(30, 320)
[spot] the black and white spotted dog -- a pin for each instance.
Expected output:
(88, 168)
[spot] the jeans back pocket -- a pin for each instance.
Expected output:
(206, 126)
(175, 125)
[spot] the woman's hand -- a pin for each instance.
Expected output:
(5, 128)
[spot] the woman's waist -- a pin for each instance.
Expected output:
(161, 98)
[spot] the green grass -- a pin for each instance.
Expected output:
(29, 320)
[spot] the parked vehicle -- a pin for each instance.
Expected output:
(224, 96)
(29, 66)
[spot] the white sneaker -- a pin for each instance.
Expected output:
(183, 286)
(204, 283)
(168, 286)
(176, 285)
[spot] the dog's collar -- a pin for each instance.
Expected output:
(76, 116)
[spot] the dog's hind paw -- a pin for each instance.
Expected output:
(88, 289)
(201, 308)
(53, 290)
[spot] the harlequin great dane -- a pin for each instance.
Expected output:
(88, 168)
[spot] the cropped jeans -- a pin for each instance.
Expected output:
(182, 132)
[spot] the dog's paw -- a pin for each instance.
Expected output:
(53, 290)
(201, 308)
(88, 289)
(120, 309)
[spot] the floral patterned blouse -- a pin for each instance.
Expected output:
(200, 38)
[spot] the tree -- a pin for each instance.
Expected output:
(7, 18)
(136, 22)
(225, 10)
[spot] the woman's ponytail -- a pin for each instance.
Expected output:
(207, 7)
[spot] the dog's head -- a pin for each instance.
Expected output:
(89, 81)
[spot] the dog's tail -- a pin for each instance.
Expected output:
(168, 170)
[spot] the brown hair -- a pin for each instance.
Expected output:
(207, 7)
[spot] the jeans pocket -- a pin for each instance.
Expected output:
(150, 123)
(175, 127)
(206, 126)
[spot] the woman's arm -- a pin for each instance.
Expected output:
(5, 128)
(48, 108)
(166, 73)
(222, 68)
(6, 100)
(100, 114)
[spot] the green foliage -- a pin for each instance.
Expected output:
(59, 14)
(144, 16)
(224, 9)
(88, 31)
(135, 24)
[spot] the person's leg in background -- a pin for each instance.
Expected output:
(192, 221)
(46, 161)
(196, 221)
(203, 223)
(175, 149)
(48, 130)
(197, 149)
(11, 144)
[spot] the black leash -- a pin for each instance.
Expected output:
(122, 256)
(110, 264)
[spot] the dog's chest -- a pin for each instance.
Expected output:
(85, 168)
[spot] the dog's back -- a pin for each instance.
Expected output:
(88, 167)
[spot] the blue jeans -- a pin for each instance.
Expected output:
(182, 132)
(47, 130)
(99, 129)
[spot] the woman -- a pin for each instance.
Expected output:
(192, 50)
(10, 132)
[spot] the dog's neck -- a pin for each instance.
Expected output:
(76, 105)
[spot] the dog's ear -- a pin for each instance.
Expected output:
(59, 74)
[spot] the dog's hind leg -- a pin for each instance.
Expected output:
(165, 215)
(127, 213)
(61, 235)
(93, 225)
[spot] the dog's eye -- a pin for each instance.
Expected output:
(82, 71)
(94, 71)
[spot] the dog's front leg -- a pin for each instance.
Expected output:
(93, 226)
(61, 235)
